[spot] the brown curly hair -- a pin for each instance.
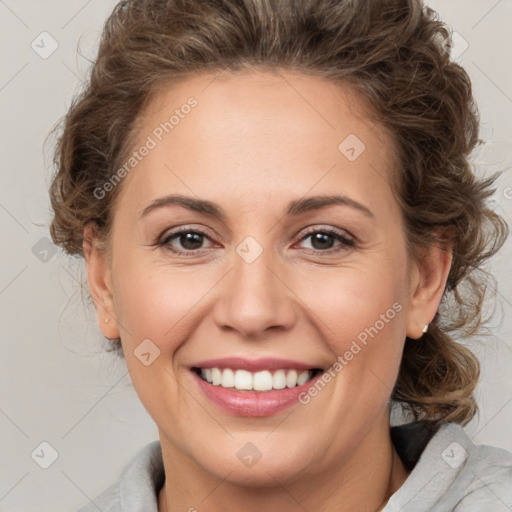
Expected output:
(394, 52)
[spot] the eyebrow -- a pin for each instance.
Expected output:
(295, 208)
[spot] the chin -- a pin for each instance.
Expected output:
(256, 464)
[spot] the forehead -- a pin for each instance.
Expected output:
(260, 130)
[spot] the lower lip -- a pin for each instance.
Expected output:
(253, 403)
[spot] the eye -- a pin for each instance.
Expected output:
(190, 240)
(322, 240)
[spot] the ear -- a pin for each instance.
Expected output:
(428, 281)
(100, 283)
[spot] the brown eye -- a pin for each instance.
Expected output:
(189, 241)
(323, 240)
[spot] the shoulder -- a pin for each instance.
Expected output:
(451, 473)
(107, 501)
(488, 473)
(137, 487)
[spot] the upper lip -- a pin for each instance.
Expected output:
(254, 365)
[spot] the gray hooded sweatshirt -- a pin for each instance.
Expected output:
(449, 473)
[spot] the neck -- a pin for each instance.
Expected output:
(364, 482)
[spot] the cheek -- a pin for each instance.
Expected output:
(350, 301)
(141, 299)
(156, 301)
(361, 313)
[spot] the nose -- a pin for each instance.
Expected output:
(254, 298)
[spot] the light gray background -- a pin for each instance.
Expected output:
(56, 383)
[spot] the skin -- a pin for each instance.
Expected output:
(256, 141)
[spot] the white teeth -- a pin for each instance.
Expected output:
(291, 379)
(243, 379)
(216, 376)
(303, 378)
(228, 379)
(262, 381)
(279, 380)
(257, 381)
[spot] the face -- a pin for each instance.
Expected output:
(264, 279)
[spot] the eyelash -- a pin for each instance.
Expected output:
(345, 243)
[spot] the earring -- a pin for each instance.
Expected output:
(425, 329)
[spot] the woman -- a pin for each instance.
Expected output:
(283, 236)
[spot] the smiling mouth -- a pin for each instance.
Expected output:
(266, 380)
